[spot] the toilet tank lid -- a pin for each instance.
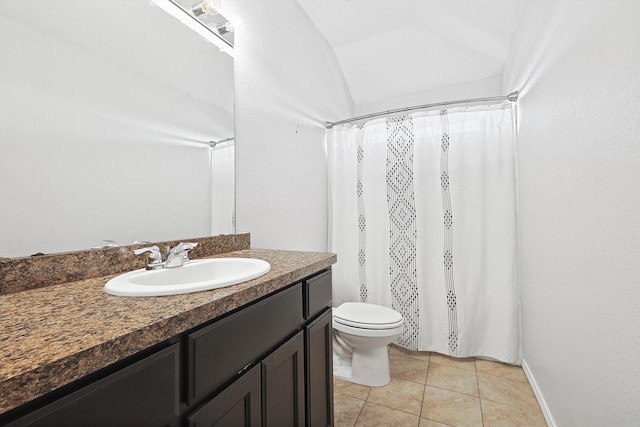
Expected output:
(367, 313)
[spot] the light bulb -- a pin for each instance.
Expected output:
(224, 28)
(211, 7)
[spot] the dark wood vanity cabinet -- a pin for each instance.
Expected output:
(296, 375)
(267, 364)
(146, 393)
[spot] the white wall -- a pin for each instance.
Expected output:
(288, 83)
(102, 108)
(491, 86)
(577, 65)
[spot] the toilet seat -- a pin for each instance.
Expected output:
(367, 316)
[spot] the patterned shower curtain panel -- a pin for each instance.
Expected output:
(423, 219)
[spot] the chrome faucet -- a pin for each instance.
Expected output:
(176, 257)
(154, 254)
(179, 254)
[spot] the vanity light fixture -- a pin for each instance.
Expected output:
(191, 20)
(206, 6)
(224, 28)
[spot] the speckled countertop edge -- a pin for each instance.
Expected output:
(54, 335)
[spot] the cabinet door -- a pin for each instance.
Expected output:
(319, 371)
(143, 394)
(283, 384)
(238, 405)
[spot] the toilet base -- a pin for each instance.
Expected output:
(369, 367)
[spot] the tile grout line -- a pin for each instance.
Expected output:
(511, 405)
(505, 377)
(360, 412)
(454, 391)
(475, 368)
(414, 382)
(394, 409)
(424, 388)
(422, 400)
(363, 405)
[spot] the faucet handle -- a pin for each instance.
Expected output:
(154, 254)
(179, 254)
(107, 244)
(183, 247)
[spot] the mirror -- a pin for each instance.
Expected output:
(107, 111)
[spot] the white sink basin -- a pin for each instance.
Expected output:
(194, 276)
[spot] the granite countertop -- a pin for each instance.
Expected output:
(54, 335)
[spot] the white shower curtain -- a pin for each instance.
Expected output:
(423, 219)
(223, 189)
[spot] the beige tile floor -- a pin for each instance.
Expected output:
(432, 390)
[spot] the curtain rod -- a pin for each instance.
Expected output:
(214, 144)
(513, 97)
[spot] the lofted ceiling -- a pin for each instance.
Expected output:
(388, 48)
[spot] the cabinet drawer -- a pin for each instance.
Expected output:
(317, 294)
(218, 352)
(143, 394)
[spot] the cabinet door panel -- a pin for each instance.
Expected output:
(143, 394)
(319, 370)
(240, 404)
(283, 384)
(219, 351)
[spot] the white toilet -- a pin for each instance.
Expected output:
(361, 334)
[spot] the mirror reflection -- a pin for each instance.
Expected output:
(108, 111)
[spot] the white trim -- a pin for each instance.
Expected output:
(536, 390)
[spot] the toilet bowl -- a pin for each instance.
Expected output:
(361, 334)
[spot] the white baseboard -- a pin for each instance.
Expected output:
(536, 390)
